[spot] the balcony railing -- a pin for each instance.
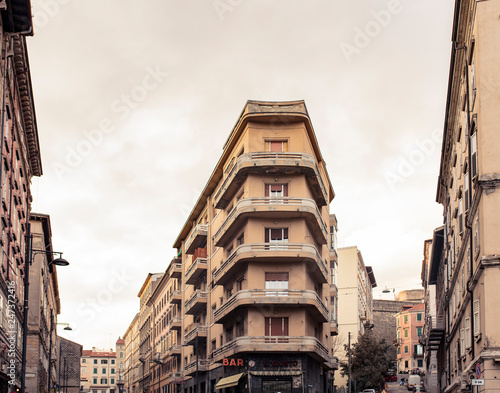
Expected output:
(276, 207)
(196, 301)
(198, 266)
(193, 331)
(272, 252)
(175, 323)
(191, 367)
(282, 344)
(175, 269)
(256, 297)
(175, 297)
(197, 238)
(275, 161)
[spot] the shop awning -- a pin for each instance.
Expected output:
(275, 373)
(228, 382)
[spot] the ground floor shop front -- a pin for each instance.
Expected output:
(266, 373)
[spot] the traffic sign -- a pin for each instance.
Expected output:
(478, 370)
(477, 382)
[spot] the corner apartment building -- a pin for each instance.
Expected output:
(69, 359)
(468, 189)
(256, 261)
(20, 161)
(99, 372)
(355, 299)
(410, 323)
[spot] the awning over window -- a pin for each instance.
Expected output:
(229, 381)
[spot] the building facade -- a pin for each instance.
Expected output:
(468, 189)
(256, 260)
(410, 323)
(131, 372)
(70, 354)
(355, 300)
(44, 306)
(99, 372)
(20, 161)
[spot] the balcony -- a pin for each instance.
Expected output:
(281, 207)
(198, 267)
(196, 303)
(436, 330)
(195, 330)
(190, 369)
(175, 269)
(272, 253)
(278, 344)
(175, 297)
(271, 163)
(261, 297)
(334, 328)
(197, 239)
(173, 350)
(175, 323)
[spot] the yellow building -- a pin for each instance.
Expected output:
(257, 264)
(467, 264)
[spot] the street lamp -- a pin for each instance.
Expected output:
(30, 252)
(50, 346)
(388, 290)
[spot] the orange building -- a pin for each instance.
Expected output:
(410, 328)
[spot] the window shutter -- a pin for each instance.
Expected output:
(477, 327)
(277, 276)
(467, 333)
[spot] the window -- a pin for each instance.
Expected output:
(95, 383)
(112, 371)
(104, 361)
(462, 342)
(95, 370)
(112, 381)
(104, 381)
(405, 333)
(399, 350)
(112, 361)
(405, 318)
(84, 360)
(84, 370)
(419, 331)
(276, 284)
(276, 146)
(95, 361)
(477, 327)
(103, 371)
(467, 333)
(466, 190)
(276, 191)
(420, 363)
(276, 327)
(276, 235)
(473, 148)
(419, 317)
(406, 348)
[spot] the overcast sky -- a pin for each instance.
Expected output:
(135, 99)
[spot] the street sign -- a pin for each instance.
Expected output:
(478, 370)
(477, 382)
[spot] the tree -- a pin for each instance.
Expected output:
(368, 361)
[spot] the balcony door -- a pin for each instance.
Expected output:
(277, 327)
(278, 237)
(274, 193)
(276, 283)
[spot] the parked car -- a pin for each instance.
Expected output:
(391, 378)
(369, 391)
(419, 389)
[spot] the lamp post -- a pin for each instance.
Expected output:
(50, 346)
(388, 290)
(28, 261)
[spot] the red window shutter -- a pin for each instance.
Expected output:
(276, 146)
(277, 276)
